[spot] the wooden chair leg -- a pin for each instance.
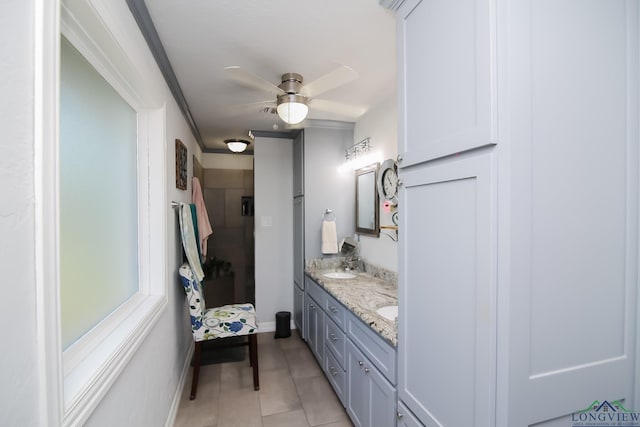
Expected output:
(196, 369)
(253, 357)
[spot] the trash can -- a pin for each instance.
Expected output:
(283, 324)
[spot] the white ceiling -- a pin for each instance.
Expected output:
(270, 38)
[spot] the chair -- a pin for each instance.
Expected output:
(218, 323)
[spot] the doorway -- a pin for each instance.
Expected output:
(230, 263)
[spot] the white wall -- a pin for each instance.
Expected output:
(273, 177)
(144, 392)
(381, 125)
(18, 359)
(226, 161)
(326, 187)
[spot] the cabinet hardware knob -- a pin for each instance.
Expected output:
(333, 371)
(400, 415)
(312, 306)
(333, 337)
(360, 362)
(400, 183)
(333, 309)
(399, 158)
(366, 370)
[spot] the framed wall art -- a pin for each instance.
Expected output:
(181, 165)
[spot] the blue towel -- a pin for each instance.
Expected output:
(189, 242)
(194, 218)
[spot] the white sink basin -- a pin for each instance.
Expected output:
(388, 312)
(339, 275)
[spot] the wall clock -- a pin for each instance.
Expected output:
(388, 179)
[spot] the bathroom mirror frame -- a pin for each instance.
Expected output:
(367, 201)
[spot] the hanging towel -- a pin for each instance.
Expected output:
(329, 237)
(204, 226)
(194, 220)
(189, 242)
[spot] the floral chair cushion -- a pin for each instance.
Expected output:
(220, 322)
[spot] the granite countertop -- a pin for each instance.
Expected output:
(363, 295)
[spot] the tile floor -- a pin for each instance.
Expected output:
(293, 391)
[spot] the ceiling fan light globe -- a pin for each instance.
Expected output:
(292, 108)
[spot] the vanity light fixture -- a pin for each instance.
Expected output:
(237, 145)
(357, 150)
(359, 155)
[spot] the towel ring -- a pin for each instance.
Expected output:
(327, 215)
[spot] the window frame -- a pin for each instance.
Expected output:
(76, 380)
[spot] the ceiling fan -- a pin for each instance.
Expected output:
(293, 98)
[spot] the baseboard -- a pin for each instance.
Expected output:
(173, 411)
(270, 326)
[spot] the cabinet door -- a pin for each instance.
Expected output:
(298, 309)
(447, 292)
(298, 241)
(571, 224)
(315, 328)
(298, 165)
(357, 400)
(382, 398)
(371, 399)
(447, 77)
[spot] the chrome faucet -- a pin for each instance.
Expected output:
(351, 263)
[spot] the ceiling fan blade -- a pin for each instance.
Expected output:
(248, 79)
(251, 107)
(348, 110)
(338, 77)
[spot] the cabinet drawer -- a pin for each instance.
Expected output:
(336, 311)
(334, 338)
(335, 374)
(406, 418)
(313, 289)
(374, 347)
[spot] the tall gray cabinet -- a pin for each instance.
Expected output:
(518, 263)
(298, 233)
(318, 150)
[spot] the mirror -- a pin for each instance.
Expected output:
(367, 206)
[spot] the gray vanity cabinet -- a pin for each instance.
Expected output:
(359, 364)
